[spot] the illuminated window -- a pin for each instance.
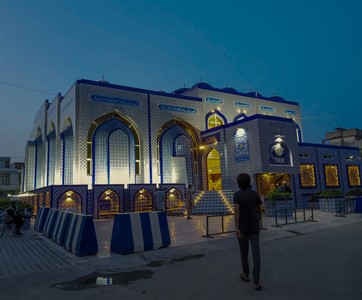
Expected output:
(331, 175)
(354, 178)
(214, 121)
(143, 201)
(307, 176)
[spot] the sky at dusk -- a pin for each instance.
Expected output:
(308, 52)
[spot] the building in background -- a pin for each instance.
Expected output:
(10, 177)
(104, 147)
(345, 137)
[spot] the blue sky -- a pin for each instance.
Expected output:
(308, 52)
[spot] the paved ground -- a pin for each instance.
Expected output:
(314, 260)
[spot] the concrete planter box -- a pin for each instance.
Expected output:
(271, 206)
(332, 204)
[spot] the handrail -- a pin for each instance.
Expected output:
(310, 219)
(210, 235)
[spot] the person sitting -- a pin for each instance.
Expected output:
(17, 219)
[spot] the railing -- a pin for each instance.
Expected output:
(295, 219)
(210, 235)
(346, 206)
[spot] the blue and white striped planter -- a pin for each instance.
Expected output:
(41, 218)
(80, 237)
(138, 232)
(49, 223)
(60, 227)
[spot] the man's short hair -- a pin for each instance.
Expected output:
(243, 180)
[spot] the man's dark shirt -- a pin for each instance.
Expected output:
(249, 210)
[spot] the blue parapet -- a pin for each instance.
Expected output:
(80, 237)
(60, 227)
(41, 218)
(49, 222)
(138, 232)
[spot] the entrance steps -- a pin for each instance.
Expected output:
(214, 203)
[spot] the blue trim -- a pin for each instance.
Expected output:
(93, 157)
(35, 164)
(239, 116)
(149, 138)
(48, 148)
(299, 133)
(328, 146)
(127, 88)
(109, 157)
(247, 119)
(63, 156)
(249, 95)
(161, 158)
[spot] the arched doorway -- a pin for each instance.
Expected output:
(177, 153)
(213, 170)
(113, 155)
(109, 203)
(70, 201)
(143, 201)
(173, 200)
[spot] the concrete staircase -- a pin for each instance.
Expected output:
(214, 203)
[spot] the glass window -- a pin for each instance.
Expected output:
(307, 176)
(4, 179)
(354, 178)
(214, 121)
(331, 175)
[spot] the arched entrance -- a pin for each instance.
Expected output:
(177, 153)
(213, 170)
(113, 155)
(143, 201)
(109, 203)
(173, 200)
(70, 201)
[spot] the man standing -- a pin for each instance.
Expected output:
(247, 226)
(17, 218)
(160, 200)
(189, 201)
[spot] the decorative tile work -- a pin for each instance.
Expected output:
(98, 190)
(182, 120)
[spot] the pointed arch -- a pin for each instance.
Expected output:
(105, 135)
(70, 201)
(214, 119)
(50, 155)
(96, 123)
(186, 130)
(67, 146)
(213, 170)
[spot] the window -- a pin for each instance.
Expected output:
(307, 176)
(354, 178)
(4, 179)
(304, 155)
(214, 121)
(331, 175)
(328, 156)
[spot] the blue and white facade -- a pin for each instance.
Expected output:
(102, 134)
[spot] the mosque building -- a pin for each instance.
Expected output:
(104, 148)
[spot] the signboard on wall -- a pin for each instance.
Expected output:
(279, 154)
(211, 139)
(241, 145)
